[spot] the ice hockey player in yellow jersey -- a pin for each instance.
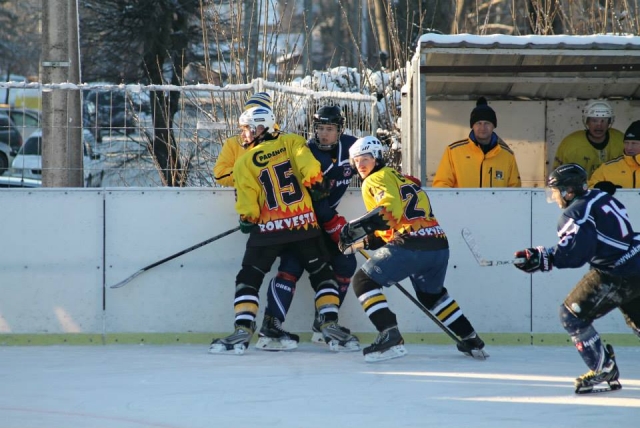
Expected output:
(409, 243)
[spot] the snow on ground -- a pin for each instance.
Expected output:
(127, 386)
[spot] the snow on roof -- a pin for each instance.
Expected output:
(599, 41)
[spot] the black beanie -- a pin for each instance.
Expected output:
(483, 112)
(633, 131)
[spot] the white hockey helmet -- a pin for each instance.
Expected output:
(256, 116)
(367, 145)
(599, 109)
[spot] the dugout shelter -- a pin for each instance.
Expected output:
(537, 85)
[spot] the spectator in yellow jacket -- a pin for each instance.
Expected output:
(234, 147)
(596, 144)
(481, 160)
(623, 171)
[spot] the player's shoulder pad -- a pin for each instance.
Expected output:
(347, 140)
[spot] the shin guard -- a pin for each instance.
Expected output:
(280, 294)
(245, 305)
(584, 337)
(447, 310)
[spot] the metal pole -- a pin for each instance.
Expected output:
(75, 172)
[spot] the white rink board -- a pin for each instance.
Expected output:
(496, 299)
(188, 293)
(51, 266)
(52, 269)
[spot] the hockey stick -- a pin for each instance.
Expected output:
(473, 246)
(420, 306)
(178, 254)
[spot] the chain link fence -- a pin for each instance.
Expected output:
(118, 126)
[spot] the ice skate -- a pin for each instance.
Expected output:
(473, 346)
(389, 344)
(337, 339)
(592, 381)
(317, 336)
(274, 338)
(236, 343)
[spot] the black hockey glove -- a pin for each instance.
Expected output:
(535, 259)
(247, 226)
(319, 190)
(346, 240)
(607, 186)
(373, 242)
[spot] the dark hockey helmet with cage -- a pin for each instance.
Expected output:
(567, 178)
(328, 115)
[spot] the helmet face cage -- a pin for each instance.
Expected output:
(597, 109)
(366, 145)
(256, 116)
(328, 115)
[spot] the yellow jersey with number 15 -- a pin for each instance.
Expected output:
(271, 181)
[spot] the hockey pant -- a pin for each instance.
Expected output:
(257, 261)
(391, 264)
(282, 287)
(595, 295)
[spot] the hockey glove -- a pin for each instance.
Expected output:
(347, 244)
(373, 242)
(247, 226)
(536, 259)
(607, 186)
(319, 190)
(334, 226)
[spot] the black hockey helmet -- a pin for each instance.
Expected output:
(328, 115)
(567, 178)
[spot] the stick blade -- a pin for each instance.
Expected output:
(468, 238)
(126, 280)
(473, 246)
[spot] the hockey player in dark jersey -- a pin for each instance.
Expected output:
(594, 228)
(275, 182)
(331, 148)
(409, 242)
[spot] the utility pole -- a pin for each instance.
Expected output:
(61, 119)
(308, 38)
(364, 27)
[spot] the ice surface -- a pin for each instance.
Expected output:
(127, 386)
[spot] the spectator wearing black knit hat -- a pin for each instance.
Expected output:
(482, 159)
(623, 171)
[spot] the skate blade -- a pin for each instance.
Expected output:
(393, 352)
(351, 346)
(270, 344)
(614, 385)
(317, 338)
(479, 354)
(220, 348)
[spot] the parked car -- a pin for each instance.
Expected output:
(26, 120)
(9, 133)
(10, 142)
(6, 157)
(111, 111)
(10, 181)
(28, 161)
